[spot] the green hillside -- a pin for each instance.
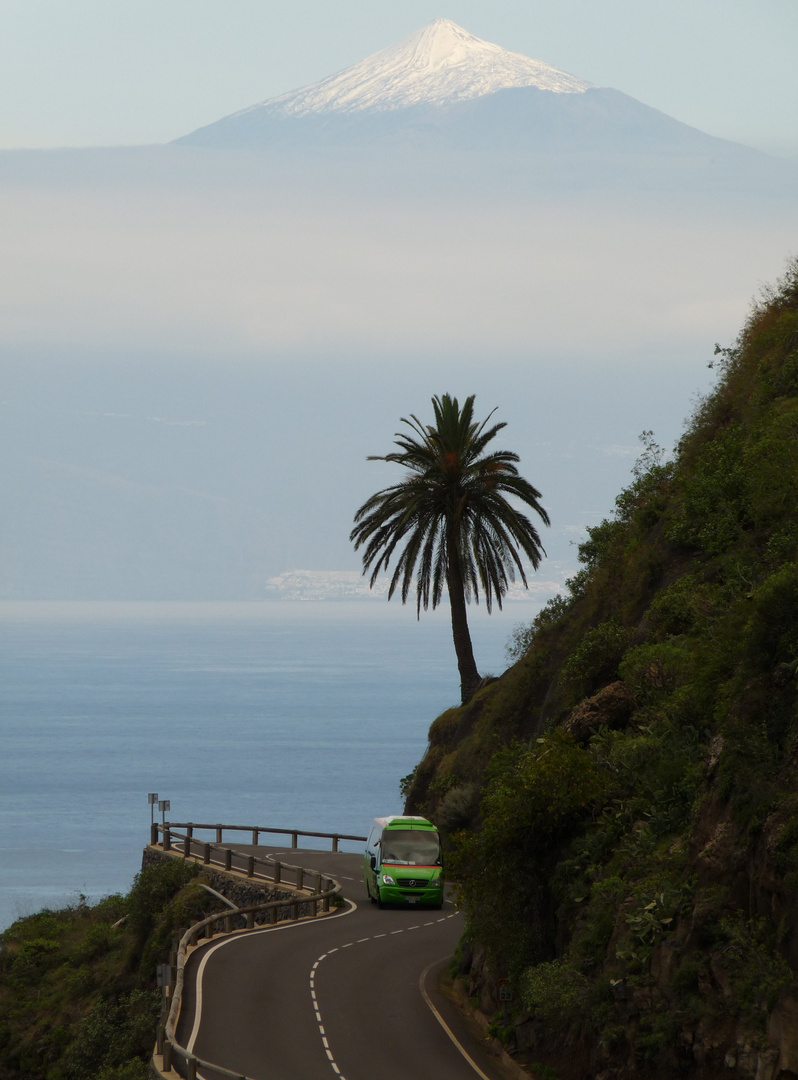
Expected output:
(622, 803)
(78, 999)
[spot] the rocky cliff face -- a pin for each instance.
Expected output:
(621, 803)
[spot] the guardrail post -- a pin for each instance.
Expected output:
(154, 833)
(335, 842)
(289, 908)
(218, 834)
(255, 836)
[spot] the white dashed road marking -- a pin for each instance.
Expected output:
(361, 941)
(208, 952)
(312, 980)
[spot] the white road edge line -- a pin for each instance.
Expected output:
(443, 1023)
(228, 941)
(375, 937)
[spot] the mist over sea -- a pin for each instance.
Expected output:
(289, 714)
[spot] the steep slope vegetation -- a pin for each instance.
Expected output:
(77, 986)
(622, 802)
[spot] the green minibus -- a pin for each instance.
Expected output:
(403, 862)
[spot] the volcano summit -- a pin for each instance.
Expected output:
(420, 79)
(443, 89)
(437, 66)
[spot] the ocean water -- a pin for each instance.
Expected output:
(286, 714)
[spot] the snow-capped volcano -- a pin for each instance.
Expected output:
(438, 65)
(444, 90)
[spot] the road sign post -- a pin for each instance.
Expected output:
(152, 798)
(163, 806)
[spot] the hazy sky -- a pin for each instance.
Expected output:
(197, 354)
(110, 72)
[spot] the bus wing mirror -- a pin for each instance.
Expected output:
(373, 862)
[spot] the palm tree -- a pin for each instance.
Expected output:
(453, 517)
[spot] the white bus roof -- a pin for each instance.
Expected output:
(383, 821)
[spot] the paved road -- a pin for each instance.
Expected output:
(338, 997)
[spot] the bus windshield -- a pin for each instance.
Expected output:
(411, 847)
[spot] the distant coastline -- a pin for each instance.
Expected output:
(291, 585)
(352, 585)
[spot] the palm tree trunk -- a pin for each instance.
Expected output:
(466, 665)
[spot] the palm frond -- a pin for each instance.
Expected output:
(452, 504)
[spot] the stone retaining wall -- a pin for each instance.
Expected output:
(240, 891)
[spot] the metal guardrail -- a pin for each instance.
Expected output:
(255, 868)
(254, 830)
(322, 892)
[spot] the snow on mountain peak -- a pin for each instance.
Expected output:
(437, 65)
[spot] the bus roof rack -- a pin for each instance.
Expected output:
(383, 821)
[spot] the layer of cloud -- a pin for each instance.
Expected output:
(160, 269)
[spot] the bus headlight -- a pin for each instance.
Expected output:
(387, 880)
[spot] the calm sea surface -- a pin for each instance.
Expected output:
(296, 715)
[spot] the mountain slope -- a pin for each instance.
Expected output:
(623, 800)
(438, 66)
(442, 89)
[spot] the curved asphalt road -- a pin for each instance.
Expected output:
(338, 997)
